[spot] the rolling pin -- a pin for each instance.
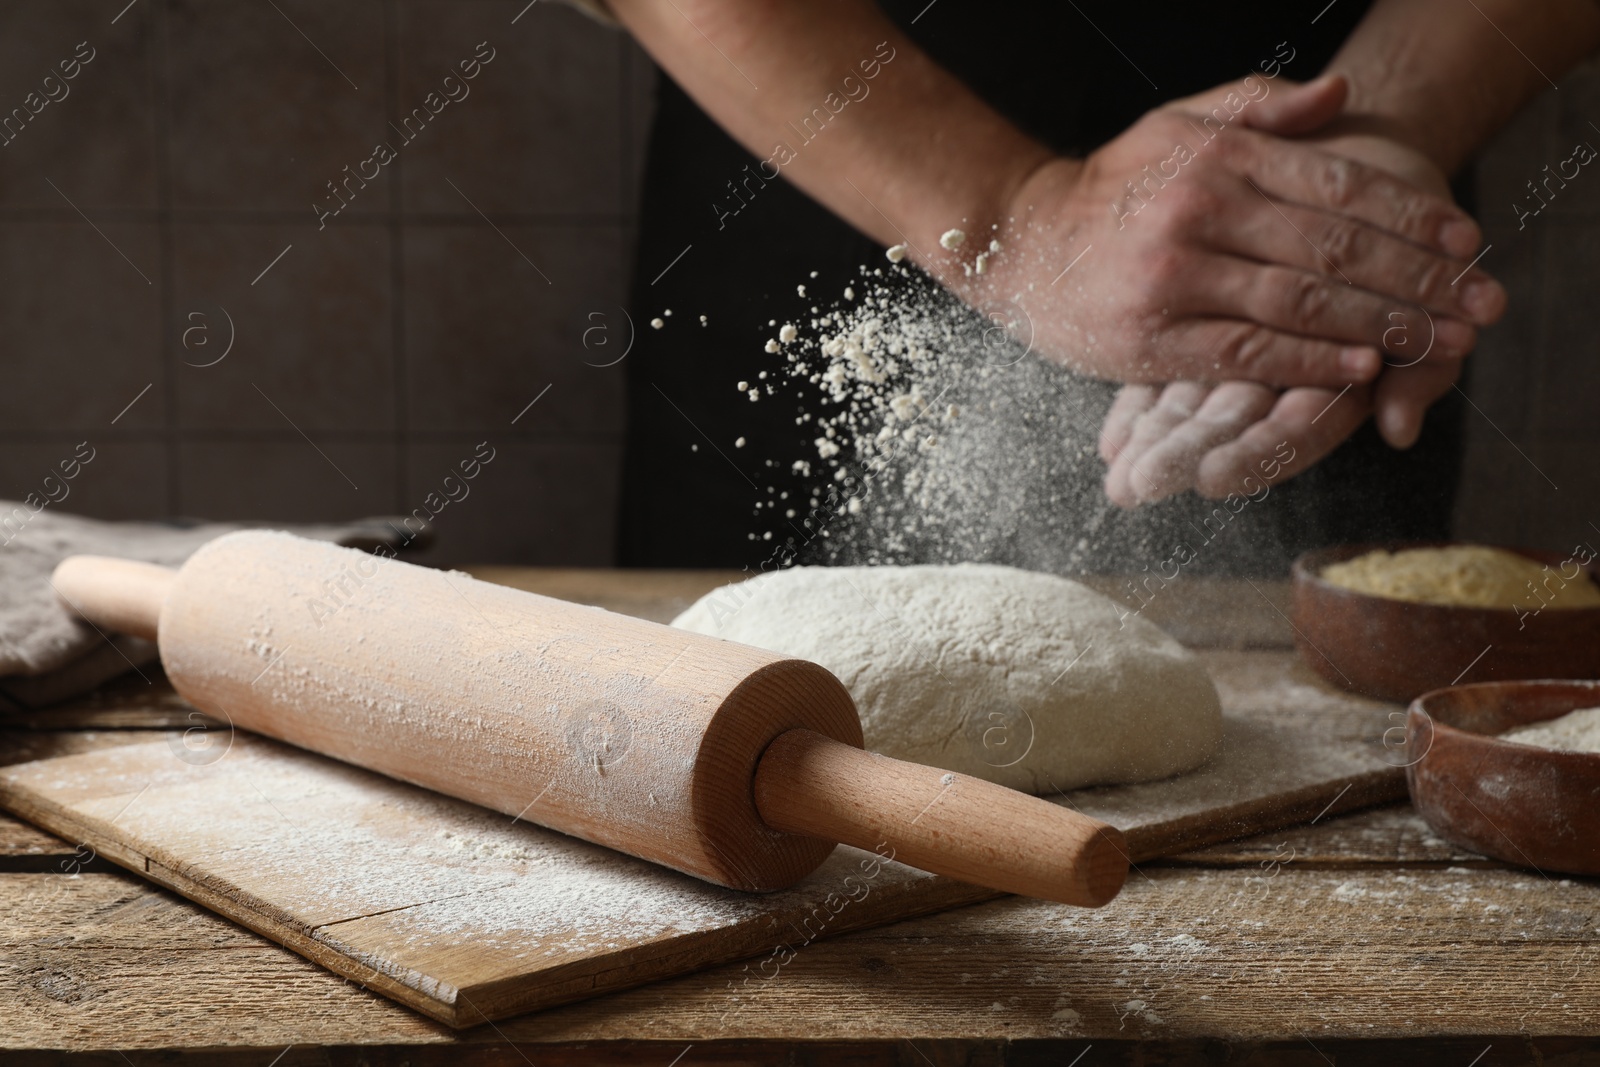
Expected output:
(733, 764)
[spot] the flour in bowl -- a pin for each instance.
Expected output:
(1576, 731)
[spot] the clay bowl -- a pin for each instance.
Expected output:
(1533, 807)
(1396, 649)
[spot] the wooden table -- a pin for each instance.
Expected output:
(1360, 939)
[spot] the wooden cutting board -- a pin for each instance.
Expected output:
(467, 916)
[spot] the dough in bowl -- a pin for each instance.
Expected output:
(1029, 680)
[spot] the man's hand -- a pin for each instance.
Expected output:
(1248, 256)
(1429, 88)
(1161, 442)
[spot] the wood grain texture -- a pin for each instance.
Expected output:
(26, 849)
(109, 961)
(451, 909)
(939, 821)
(1391, 835)
(439, 904)
(122, 596)
(105, 961)
(138, 701)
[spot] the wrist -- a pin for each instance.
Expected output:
(1002, 237)
(1441, 151)
(989, 209)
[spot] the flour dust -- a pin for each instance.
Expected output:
(939, 436)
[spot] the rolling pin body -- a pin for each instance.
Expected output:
(620, 731)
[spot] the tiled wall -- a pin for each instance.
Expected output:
(164, 206)
(1532, 476)
(144, 213)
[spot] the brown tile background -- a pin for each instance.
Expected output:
(381, 348)
(383, 345)
(1531, 473)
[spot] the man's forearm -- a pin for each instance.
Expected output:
(1444, 75)
(842, 104)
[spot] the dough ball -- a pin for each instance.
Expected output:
(1025, 679)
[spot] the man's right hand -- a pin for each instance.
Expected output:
(1247, 257)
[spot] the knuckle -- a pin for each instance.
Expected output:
(1341, 242)
(1305, 298)
(1255, 347)
(1411, 214)
(1250, 348)
(1338, 182)
(1430, 280)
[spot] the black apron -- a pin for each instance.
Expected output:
(1075, 76)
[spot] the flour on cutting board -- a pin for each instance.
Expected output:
(391, 875)
(394, 847)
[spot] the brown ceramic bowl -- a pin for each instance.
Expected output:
(1534, 807)
(1397, 649)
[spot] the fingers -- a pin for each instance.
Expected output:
(1317, 305)
(1303, 426)
(1238, 437)
(1126, 482)
(1228, 349)
(1404, 394)
(1171, 465)
(1300, 109)
(1351, 253)
(1131, 402)
(1288, 170)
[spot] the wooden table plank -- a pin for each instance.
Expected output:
(1361, 927)
(27, 849)
(21, 846)
(1392, 835)
(1182, 954)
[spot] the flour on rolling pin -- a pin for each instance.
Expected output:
(522, 704)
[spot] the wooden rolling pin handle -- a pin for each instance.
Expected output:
(123, 595)
(938, 821)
